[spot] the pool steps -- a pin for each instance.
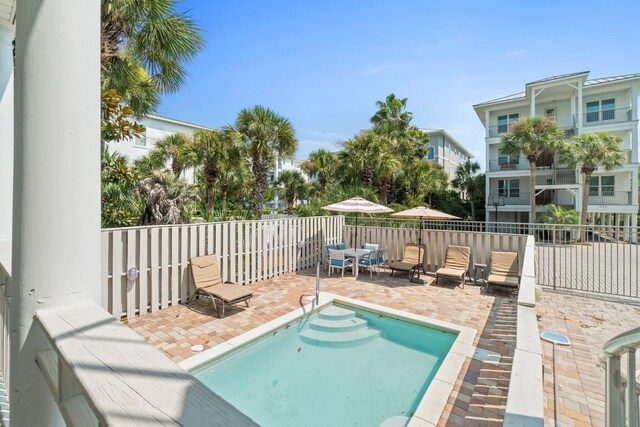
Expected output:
(338, 327)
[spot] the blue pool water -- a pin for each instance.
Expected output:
(339, 367)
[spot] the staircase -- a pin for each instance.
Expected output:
(338, 327)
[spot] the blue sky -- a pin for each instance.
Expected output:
(324, 64)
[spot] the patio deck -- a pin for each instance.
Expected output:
(480, 393)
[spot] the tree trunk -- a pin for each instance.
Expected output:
(532, 191)
(473, 208)
(260, 169)
(383, 191)
(210, 185)
(290, 202)
(225, 195)
(585, 206)
(176, 168)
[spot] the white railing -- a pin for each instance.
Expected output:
(249, 251)
(5, 313)
(621, 388)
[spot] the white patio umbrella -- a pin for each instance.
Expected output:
(421, 213)
(357, 205)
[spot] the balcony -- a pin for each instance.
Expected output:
(520, 199)
(605, 117)
(620, 198)
(496, 131)
(558, 177)
(508, 164)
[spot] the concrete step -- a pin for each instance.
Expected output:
(336, 313)
(341, 325)
(339, 339)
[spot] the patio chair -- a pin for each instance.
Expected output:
(208, 281)
(504, 270)
(456, 264)
(410, 259)
(338, 260)
(328, 248)
(341, 246)
(382, 257)
(371, 246)
(370, 261)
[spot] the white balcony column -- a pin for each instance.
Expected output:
(573, 109)
(634, 103)
(487, 121)
(634, 188)
(533, 103)
(627, 221)
(56, 228)
(6, 130)
(580, 117)
(634, 145)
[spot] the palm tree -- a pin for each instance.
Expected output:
(291, 186)
(265, 134)
(592, 151)
(391, 112)
(321, 165)
(218, 152)
(533, 137)
(166, 198)
(174, 149)
(144, 47)
(421, 180)
(386, 165)
(465, 182)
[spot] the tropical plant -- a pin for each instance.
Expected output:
(558, 215)
(174, 149)
(166, 199)
(218, 153)
(117, 119)
(465, 182)
(265, 134)
(591, 151)
(422, 180)
(120, 206)
(145, 45)
(532, 137)
(291, 186)
(321, 166)
(392, 112)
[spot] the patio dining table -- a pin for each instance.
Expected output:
(356, 254)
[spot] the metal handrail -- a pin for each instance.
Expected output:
(621, 343)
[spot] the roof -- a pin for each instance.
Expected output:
(559, 77)
(589, 83)
(451, 139)
(175, 121)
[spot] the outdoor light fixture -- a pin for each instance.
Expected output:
(132, 274)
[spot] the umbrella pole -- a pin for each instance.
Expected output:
(417, 278)
(355, 240)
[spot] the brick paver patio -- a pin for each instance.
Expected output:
(480, 393)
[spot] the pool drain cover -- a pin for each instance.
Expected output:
(487, 356)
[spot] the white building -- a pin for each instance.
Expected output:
(158, 127)
(579, 106)
(446, 151)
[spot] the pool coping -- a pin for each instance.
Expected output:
(435, 398)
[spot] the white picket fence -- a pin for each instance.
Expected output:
(437, 241)
(249, 251)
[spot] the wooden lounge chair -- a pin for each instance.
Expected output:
(410, 259)
(504, 270)
(456, 264)
(208, 281)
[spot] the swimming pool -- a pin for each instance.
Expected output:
(340, 364)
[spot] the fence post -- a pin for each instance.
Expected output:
(554, 255)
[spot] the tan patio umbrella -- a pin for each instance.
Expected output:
(357, 205)
(422, 213)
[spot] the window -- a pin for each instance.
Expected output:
(509, 187)
(431, 153)
(140, 141)
(508, 162)
(602, 186)
(551, 113)
(505, 121)
(607, 106)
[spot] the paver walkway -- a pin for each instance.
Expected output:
(480, 393)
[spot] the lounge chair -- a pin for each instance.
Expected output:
(504, 270)
(338, 260)
(456, 264)
(410, 259)
(208, 281)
